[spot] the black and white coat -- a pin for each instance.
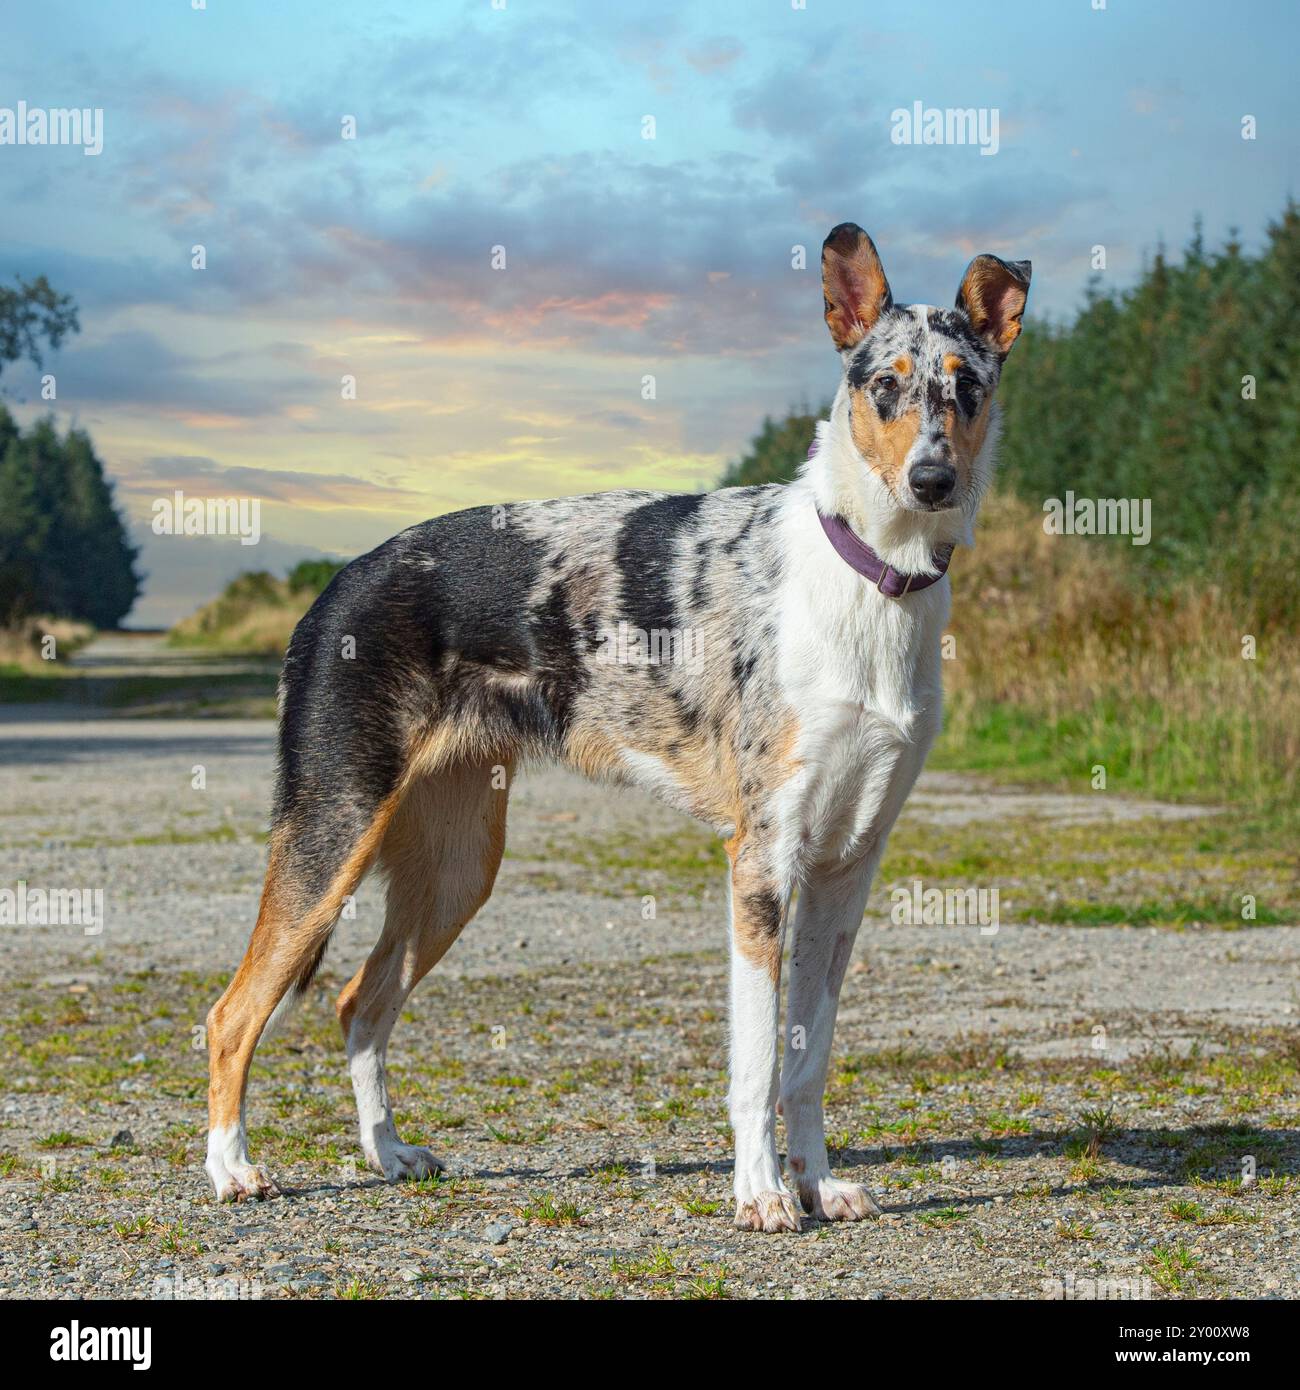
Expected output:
(714, 649)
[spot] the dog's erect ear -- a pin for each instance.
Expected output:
(853, 284)
(993, 294)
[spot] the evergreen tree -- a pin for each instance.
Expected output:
(776, 451)
(64, 548)
(1184, 389)
(23, 527)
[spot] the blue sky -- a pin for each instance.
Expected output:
(626, 257)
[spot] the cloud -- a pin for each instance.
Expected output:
(715, 55)
(204, 476)
(135, 368)
(520, 127)
(618, 419)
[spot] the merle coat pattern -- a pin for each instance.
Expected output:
(713, 649)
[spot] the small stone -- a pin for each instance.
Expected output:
(123, 1139)
(498, 1232)
(409, 1275)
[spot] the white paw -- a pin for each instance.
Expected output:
(405, 1162)
(238, 1182)
(234, 1178)
(829, 1199)
(768, 1211)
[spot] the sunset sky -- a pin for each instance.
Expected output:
(523, 127)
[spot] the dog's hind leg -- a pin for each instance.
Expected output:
(441, 854)
(317, 859)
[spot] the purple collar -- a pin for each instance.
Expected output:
(858, 555)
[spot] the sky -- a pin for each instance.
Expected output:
(523, 125)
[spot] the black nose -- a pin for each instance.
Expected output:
(932, 482)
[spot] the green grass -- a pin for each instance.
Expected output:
(685, 863)
(944, 1216)
(1184, 763)
(1174, 1268)
(1147, 872)
(18, 686)
(1185, 1179)
(1178, 913)
(1140, 872)
(179, 694)
(63, 1139)
(546, 1211)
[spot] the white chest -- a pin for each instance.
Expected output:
(862, 673)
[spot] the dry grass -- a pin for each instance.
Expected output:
(1062, 649)
(1066, 658)
(21, 643)
(256, 615)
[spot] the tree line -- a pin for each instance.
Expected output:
(64, 548)
(1184, 389)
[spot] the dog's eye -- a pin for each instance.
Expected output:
(886, 383)
(968, 391)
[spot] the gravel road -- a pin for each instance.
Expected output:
(1039, 1108)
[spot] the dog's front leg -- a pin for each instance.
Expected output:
(826, 923)
(758, 905)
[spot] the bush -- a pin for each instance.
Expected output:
(311, 576)
(256, 613)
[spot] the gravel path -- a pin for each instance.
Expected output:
(1043, 1103)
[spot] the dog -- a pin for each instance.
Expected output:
(795, 725)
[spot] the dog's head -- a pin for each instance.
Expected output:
(920, 380)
